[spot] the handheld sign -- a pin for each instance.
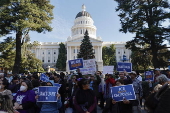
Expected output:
(74, 64)
(118, 93)
(47, 94)
(58, 85)
(121, 66)
(149, 75)
(44, 78)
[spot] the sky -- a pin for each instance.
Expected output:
(103, 14)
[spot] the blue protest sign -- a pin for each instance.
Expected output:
(52, 81)
(125, 91)
(121, 66)
(149, 75)
(47, 94)
(76, 63)
(58, 85)
(44, 78)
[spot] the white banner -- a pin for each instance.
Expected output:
(89, 67)
(108, 69)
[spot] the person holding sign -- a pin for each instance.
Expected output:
(85, 100)
(113, 106)
(50, 107)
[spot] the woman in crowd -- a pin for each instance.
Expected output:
(25, 98)
(3, 88)
(49, 107)
(113, 106)
(85, 100)
(159, 100)
(6, 104)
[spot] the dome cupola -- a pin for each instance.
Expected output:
(83, 12)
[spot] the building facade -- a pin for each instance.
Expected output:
(48, 52)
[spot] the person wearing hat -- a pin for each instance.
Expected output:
(157, 72)
(9, 77)
(138, 92)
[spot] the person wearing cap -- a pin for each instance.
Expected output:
(157, 72)
(138, 92)
(9, 77)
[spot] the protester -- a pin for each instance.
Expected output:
(138, 92)
(85, 100)
(3, 88)
(14, 85)
(50, 107)
(94, 84)
(101, 89)
(6, 105)
(109, 82)
(62, 90)
(24, 100)
(113, 106)
(9, 77)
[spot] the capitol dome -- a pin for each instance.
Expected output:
(83, 12)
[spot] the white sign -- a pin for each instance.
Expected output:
(89, 67)
(108, 69)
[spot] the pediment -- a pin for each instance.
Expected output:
(81, 38)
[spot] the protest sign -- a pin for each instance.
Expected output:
(58, 85)
(89, 67)
(47, 94)
(149, 75)
(76, 63)
(108, 69)
(44, 78)
(119, 93)
(121, 66)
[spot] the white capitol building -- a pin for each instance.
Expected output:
(48, 52)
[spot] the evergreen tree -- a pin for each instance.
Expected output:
(109, 55)
(22, 16)
(146, 19)
(86, 48)
(61, 61)
(7, 55)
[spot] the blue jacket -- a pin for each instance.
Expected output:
(50, 107)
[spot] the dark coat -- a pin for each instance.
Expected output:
(119, 107)
(163, 96)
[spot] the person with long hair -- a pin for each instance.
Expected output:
(6, 105)
(4, 88)
(85, 100)
(25, 98)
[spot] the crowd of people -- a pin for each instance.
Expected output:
(83, 93)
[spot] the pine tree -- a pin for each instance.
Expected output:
(86, 48)
(146, 19)
(61, 61)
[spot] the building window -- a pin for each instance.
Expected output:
(48, 51)
(74, 51)
(54, 59)
(124, 52)
(42, 59)
(81, 31)
(54, 51)
(48, 59)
